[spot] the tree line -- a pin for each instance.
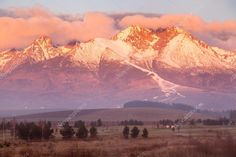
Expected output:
(82, 132)
(44, 130)
(220, 121)
(32, 131)
(134, 132)
(131, 122)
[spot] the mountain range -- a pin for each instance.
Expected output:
(166, 65)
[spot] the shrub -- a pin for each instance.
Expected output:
(126, 132)
(82, 132)
(93, 132)
(99, 122)
(134, 132)
(145, 133)
(29, 131)
(23, 131)
(67, 131)
(79, 124)
(47, 130)
(35, 131)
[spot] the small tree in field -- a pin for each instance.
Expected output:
(29, 131)
(82, 132)
(35, 131)
(79, 124)
(99, 122)
(145, 133)
(47, 130)
(23, 131)
(134, 132)
(67, 131)
(93, 132)
(126, 132)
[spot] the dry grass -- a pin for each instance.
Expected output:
(190, 142)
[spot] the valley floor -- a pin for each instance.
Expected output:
(197, 141)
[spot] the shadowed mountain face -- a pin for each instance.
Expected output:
(167, 65)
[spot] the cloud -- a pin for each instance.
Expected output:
(24, 26)
(36, 11)
(20, 26)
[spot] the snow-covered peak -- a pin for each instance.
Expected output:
(147, 39)
(90, 54)
(43, 41)
(138, 37)
(169, 33)
(131, 31)
(186, 52)
(9, 60)
(42, 49)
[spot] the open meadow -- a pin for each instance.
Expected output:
(190, 141)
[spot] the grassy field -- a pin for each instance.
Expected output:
(197, 141)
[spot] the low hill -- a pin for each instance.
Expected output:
(115, 114)
(151, 104)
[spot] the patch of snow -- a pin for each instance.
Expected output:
(154, 41)
(182, 52)
(90, 53)
(123, 35)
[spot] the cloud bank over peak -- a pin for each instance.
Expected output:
(20, 26)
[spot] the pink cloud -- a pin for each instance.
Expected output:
(21, 26)
(162, 21)
(36, 11)
(19, 32)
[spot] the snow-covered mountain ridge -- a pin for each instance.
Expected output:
(171, 46)
(165, 64)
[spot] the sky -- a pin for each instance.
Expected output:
(21, 21)
(208, 9)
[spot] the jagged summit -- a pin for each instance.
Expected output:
(43, 42)
(139, 37)
(180, 31)
(132, 31)
(42, 49)
(144, 38)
